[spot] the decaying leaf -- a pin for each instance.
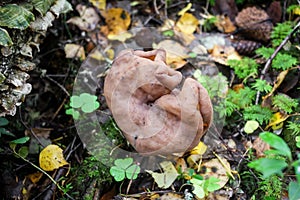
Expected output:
(52, 158)
(187, 23)
(251, 126)
(165, 179)
(117, 21)
(276, 120)
(100, 4)
(5, 39)
(176, 53)
(222, 54)
(224, 24)
(260, 146)
(74, 51)
(88, 19)
(35, 177)
(216, 168)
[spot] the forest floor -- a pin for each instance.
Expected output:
(254, 93)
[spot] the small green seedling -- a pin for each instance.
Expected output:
(203, 187)
(86, 102)
(3, 131)
(124, 167)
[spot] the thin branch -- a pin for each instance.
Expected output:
(269, 61)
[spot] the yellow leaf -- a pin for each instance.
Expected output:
(187, 23)
(185, 9)
(165, 179)
(199, 149)
(296, 11)
(276, 119)
(100, 4)
(52, 158)
(117, 20)
(121, 36)
(35, 177)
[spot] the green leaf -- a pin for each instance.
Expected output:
(211, 184)
(198, 187)
(75, 113)
(133, 171)
(5, 132)
(5, 39)
(262, 85)
(23, 151)
(257, 113)
(251, 126)
(277, 143)
(3, 121)
(243, 67)
(21, 140)
(294, 191)
(283, 61)
(42, 6)
(14, 16)
(268, 166)
(117, 173)
(123, 163)
(265, 52)
(90, 107)
(169, 33)
(284, 102)
(76, 101)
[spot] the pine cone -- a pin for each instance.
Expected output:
(255, 23)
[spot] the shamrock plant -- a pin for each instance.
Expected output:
(85, 102)
(124, 168)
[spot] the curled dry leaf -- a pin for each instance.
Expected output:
(88, 19)
(154, 115)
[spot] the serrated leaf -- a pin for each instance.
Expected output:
(117, 173)
(42, 6)
(5, 39)
(14, 16)
(123, 163)
(133, 171)
(277, 143)
(51, 158)
(268, 166)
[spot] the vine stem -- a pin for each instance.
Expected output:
(269, 61)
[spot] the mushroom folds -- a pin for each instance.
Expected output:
(154, 113)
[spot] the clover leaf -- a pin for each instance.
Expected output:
(124, 168)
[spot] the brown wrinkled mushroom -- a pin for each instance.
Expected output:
(155, 115)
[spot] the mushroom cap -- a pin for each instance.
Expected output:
(154, 114)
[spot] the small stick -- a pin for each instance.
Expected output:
(269, 61)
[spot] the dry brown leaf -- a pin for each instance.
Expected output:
(74, 51)
(222, 54)
(88, 19)
(260, 146)
(224, 24)
(176, 53)
(216, 169)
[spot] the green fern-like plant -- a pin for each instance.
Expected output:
(262, 85)
(257, 113)
(284, 103)
(244, 67)
(242, 98)
(265, 52)
(281, 30)
(294, 127)
(283, 61)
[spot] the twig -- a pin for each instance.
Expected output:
(58, 84)
(269, 61)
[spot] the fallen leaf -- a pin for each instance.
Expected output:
(100, 4)
(251, 126)
(199, 149)
(187, 23)
(35, 177)
(51, 158)
(222, 54)
(74, 51)
(276, 120)
(165, 179)
(88, 19)
(185, 9)
(117, 21)
(260, 146)
(176, 53)
(224, 24)
(216, 169)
